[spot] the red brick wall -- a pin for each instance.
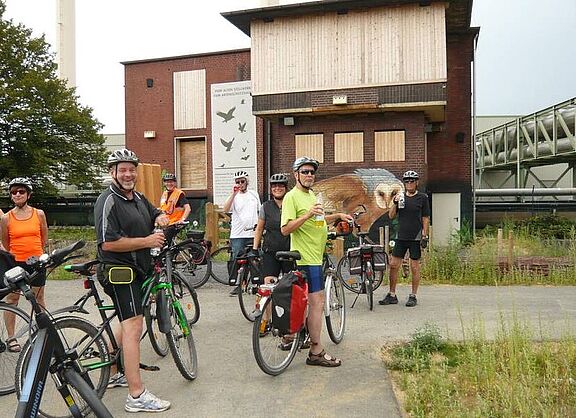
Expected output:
(152, 108)
(283, 151)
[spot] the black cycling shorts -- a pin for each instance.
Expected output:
(127, 298)
(273, 267)
(401, 246)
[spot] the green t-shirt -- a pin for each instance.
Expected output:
(309, 239)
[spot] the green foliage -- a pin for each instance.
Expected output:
(548, 226)
(416, 355)
(45, 134)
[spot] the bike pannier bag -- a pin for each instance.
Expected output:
(6, 263)
(354, 260)
(289, 301)
(379, 258)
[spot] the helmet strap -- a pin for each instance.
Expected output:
(299, 182)
(114, 177)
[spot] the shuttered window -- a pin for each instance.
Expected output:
(190, 99)
(192, 164)
(310, 145)
(389, 146)
(349, 147)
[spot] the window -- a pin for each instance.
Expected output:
(349, 147)
(190, 99)
(192, 163)
(310, 145)
(389, 146)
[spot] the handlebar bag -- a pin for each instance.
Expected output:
(7, 261)
(289, 302)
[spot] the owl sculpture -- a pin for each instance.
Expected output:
(371, 187)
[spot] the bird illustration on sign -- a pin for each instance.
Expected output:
(242, 127)
(226, 116)
(227, 144)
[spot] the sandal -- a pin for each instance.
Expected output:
(322, 359)
(13, 345)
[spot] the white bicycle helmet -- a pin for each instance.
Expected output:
(299, 162)
(21, 181)
(279, 178)
(122, 156)
(240, 175)
(410, 174)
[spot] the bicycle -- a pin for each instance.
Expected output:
(8, 356)
(362, 277)
(49, 352)
(248, 278)
(267, 340)
(194, 261)
(221, 255)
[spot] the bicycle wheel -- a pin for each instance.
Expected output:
(267, 349)
(9, 359)
(180, 340)
(369, 277)
(86, 395)
(194, 263)
(92, 352)
(220, 259)
(248, 293)
(353, 282)
(335, 309)
(187, 296)
(157, 339)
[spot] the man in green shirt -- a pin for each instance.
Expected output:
(304, 220)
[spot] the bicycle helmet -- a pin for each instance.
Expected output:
(299, 162)
(240, 174)
(122, 156)
(279, 178)
(410, 175)
(168, 177)
(21, 181)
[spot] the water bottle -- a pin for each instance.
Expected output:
(401, 201)
(319, 219)
(155, 252)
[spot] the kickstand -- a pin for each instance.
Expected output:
(355, 299)
(149, 368)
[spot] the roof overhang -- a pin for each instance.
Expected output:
(458, 12)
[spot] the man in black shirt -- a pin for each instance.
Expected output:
(124, 221)
(413, 212)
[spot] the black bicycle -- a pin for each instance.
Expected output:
(50, 353)
(248, 278)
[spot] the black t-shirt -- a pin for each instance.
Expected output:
(273, 238)
(115, 216)
(410, 217)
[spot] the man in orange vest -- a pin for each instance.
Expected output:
(173, 202)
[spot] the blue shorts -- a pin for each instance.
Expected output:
(315, 278)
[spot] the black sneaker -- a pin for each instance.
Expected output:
(388, 300)
(235, 291)
(411, 301)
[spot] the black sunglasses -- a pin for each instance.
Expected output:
(19, 191)
(240, 181)
(307, 172)
(410, 181)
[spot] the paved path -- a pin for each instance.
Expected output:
(230, 384)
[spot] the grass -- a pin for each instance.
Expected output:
(509, 376)
(59, 237)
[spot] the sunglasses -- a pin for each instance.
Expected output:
(19, 191)
(409, 181)
(307, 172)
(240, 181)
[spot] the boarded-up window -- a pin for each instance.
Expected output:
(190, 99)
(311, 145)
(192, 164)
(389, 146)
(349, 147)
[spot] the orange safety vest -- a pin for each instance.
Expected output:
(168, 205)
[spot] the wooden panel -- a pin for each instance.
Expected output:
(190, 99)
(379, 46)
(389, 146)
(193, 164)
(150, 182)
(349, 147)
(310, 145)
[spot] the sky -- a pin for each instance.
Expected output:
(525, 58)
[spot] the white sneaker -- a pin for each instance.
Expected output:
(146, 402)
(117, 381)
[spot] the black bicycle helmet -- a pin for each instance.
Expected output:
(21, 181)
(122, 156)
(279, 178)
(410, 174)
(168, 177)
(299, 162)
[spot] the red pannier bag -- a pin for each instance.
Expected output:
(289, 302)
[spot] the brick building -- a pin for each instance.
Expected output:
(357, 84)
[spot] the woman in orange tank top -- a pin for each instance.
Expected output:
(24, 233)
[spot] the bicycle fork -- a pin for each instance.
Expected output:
(365, 277)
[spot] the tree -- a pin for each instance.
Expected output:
(45, 134)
